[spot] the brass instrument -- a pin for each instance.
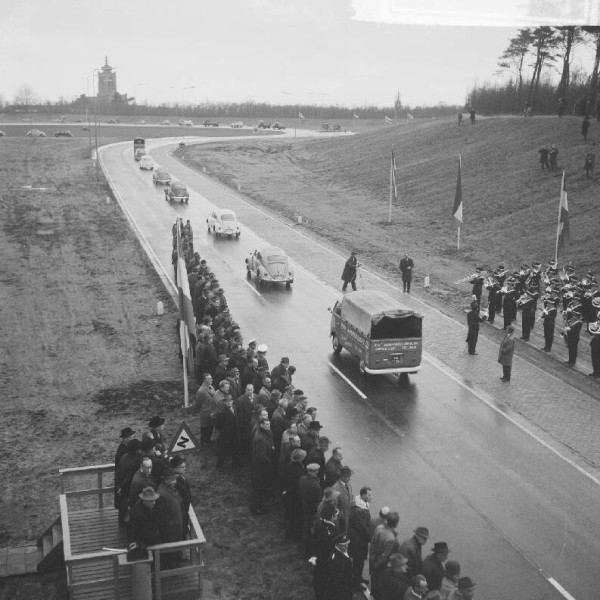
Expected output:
(481, 274)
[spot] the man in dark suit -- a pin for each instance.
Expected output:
(349, 272)
(406, 267)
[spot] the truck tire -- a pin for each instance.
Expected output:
(337, 347)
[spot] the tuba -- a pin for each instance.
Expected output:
(470, 278)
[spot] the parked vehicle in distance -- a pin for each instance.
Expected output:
(63, 133)
(165, 122)
(139, 143)
(384, 336)
(209, 123)
(139, 153)
(176, 191)
(270, 264)
(85, 128)
(35, 133)
(2, 134)
(161, 177)
(237, 124)
(112, 121)
(278, 125)
(263, 125)
(325, 127)
(337, 127)
(223, 221)
(146, 163)
(185, 123)
(140, 122)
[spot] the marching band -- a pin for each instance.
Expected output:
(579, 300)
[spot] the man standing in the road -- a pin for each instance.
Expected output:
(411, 548)
(349, 272)
(473, 320)
(406, 267)
(505, 353)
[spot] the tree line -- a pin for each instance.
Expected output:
(532, 60)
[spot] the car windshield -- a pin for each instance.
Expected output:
(179, 189)
(276, 258)
(227, 217)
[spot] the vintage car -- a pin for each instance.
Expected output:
(35, 133)
(278, 125)
(223, 221)
(185, 123)
(161, 177)
(139, 153)
(263, 125)
(209, 123)
(63, 133)
(269, 264)
(176, 191)
(237, 124)
(147, 163)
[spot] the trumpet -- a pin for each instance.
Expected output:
(481, 274)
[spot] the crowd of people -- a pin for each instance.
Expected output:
(577, 298)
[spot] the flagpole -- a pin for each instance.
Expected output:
(560, 201)
(458, 231)
(458, 239)
(186, 395)
(391, 191)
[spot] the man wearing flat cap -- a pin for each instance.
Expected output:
(411, 548)
(433, 565)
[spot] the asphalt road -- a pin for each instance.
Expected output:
(518, 517)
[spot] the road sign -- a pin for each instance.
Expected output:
(183, 441)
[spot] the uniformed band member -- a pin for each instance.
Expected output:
(572, 333)
(594, 329)
(549, 317)
(349, 272)
(477, 281)
(527, 306)
(473, 320)
(509, 305)
(493, 287)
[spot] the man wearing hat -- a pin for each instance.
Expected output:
(171, 517)
(157, 426)
(349, 272)
(144, 525)
(465, 589)
(406, 268)
(126, 435)
(310, 496)
(262, 467)
(339, 581)
(326, 531)
(549, 318)
(233, 376)
(280, 376)
(228, 442)
(124, 473)
(473, 320)
(433, 565)
(394, 582)
(594, 329)
(317, 455)
(311, 439)
(411, 548)
(572, 334)
(509, 304)
(261, 355)
(221, 368)
(383, 544)
(183, 487)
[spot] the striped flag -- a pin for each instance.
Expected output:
(388, 120)
(300, 115)
(563, 234)
(186, 309)
(409, 116)
(356, 116)
(457, 211)
(393, 186)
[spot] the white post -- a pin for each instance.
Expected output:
(390, 208)
(185, 340)
(458, 238)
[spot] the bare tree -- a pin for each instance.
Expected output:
(25, 96)
(513, 57)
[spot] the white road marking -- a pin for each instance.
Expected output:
(347, 381)
(253, 288)
(560, 588)
(486, 399)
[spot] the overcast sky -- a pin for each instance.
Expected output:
(348, 52)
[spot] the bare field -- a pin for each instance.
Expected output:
(341, 187)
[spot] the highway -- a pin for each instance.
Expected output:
(519, 518)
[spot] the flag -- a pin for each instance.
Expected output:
(388, 120)
(356, 116)
(409, 116)
(393, 186)
(186, 308)
(563, 235)
(300, 115)
(457, 211)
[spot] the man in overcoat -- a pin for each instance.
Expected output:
(349, 272)
(473, 320)
(262, 467)
(505, 353)
(228, 442)
(406, 268)
(359, 533)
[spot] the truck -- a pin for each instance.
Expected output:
(139, 143)
(379, 332)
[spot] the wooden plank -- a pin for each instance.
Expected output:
(32, 558)
(15, 564)
(108, 468)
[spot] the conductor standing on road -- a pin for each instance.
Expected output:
(349, 273)
(406, 267)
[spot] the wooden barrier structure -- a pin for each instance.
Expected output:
(95, 547)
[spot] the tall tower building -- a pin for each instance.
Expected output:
(107, 83)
